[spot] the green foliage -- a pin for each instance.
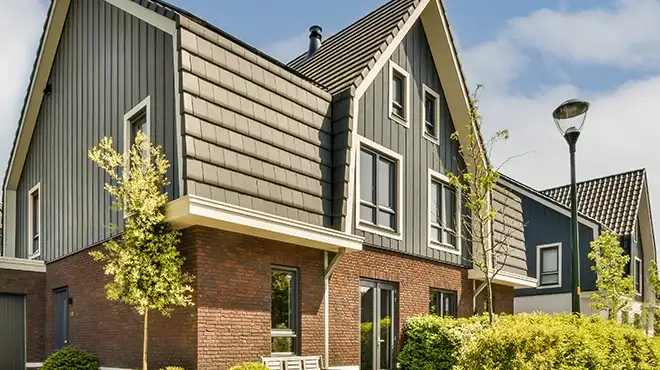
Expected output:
(650, 308)
(615, 288)
(250, 366)
(433, 343)
(544, 342)
(71, 358)
(366, 338)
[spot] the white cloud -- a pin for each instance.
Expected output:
(21, 25)
(289, 48)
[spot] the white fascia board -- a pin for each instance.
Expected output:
(505, 278)
(22, 264)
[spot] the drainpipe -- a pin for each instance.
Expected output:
(329, 268)
(476, 290)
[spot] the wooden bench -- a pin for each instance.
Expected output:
(293, 363)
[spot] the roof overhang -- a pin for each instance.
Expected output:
(505, 278)
(193, 210)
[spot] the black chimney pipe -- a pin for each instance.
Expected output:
(315, 38)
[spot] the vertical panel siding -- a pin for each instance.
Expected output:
(107, 62)
(508, 231)
(12, 327)
(419, 154)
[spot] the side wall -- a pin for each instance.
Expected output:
(509, 231)
(107, 62)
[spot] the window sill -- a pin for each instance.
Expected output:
(374, 229)
(35, 255)
(398, 119)
(548, 286)
(445, 247)
(431, 138)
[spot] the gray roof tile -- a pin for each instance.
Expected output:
(612, 200)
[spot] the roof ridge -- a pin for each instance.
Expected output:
(643, 170)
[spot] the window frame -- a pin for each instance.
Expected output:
(129, 118)
(396, 69)
(398, 191)
(539, 249)
(433, 138)
(295, 315)
(32, 254)
(437, 177)
(639, 271)
(439, 307)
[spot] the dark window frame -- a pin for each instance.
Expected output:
(375, 206)
(541, 273)
(34, 212)
(294, 315)
(432, 97)
(638, 275)
(399, 94)
(441, 223)
(439, 302)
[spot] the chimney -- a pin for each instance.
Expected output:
(315, 38)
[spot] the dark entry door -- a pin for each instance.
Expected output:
(12, 332)
(378, 323)
(61, 315)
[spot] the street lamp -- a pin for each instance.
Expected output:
(569, 118)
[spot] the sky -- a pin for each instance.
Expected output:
(529, 55)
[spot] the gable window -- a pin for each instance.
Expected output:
(639, 275)
(431, 113)
(284, 311)
(399, 94)
(442, 303)
(549, 265)
(444, 214)
(34, 222)
(136, 120)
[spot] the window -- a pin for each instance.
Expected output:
(137, 119)
(284, 311)
(639, 275)
(34, 222)
(399, 94)
(444, 214)
(431, 114)
(442, 303)
(549, 265)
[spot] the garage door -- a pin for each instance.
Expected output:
(12, 327)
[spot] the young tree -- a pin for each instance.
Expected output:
(145, 264)
(650, 309)
(475, 184)
(615, 289)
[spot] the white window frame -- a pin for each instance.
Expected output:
(641, 277)
(539, 248)
(30, 238)
(406, 95)
(438, 177)
(128, 119)
(427, 90)
(398, 160)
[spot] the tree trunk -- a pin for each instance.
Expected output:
(489, 302)
(144, 343)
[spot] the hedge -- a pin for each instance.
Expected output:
(526, 342)
(250, 366)
(71, 358)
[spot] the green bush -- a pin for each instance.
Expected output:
(433, 343)
(172, 368)
(250, 366)
(71, 358)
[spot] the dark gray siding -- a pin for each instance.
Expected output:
(508, 231)
(419, 154)
(544, 225)
(107, 62)
(257, 136)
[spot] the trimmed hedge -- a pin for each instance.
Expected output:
(250, 366)
(526, 342)
(71, 358)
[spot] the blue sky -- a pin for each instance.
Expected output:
(530, 54)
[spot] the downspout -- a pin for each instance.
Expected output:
(329, 268)
(476, 290)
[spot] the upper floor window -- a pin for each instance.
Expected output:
(379, 190)
(639, 276)
(444, 214)
(549, 265)
(136, 120)
(284, 311)
(34, 222)
(442, 303)
(399, 94)
(431, 113)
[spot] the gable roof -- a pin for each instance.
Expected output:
(614, 199)
(356, 48)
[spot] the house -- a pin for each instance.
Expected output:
(326, 175)
(618, 203)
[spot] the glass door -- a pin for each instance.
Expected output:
(378, 321)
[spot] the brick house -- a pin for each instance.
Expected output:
(287, 182)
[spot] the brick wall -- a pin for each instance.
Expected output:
(414, 277)
(32, 285)
(502, 299)
(112, 330)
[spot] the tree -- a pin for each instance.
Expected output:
(475, 186)
(145, 264)
(615, 289)
(650, 309)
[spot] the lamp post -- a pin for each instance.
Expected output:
(569, 117)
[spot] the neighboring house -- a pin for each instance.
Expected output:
(317, 187)
(618, 203)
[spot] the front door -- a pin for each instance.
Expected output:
(378, 323)
(61, 315)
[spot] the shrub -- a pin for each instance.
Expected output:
(172, 368)
(71, 358)
(250, 366)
